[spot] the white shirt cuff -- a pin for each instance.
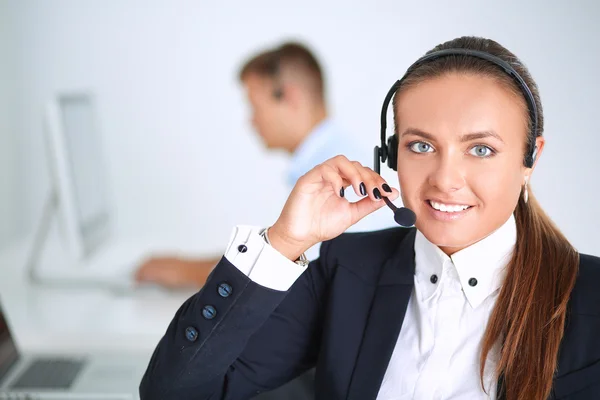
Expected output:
(256, 259)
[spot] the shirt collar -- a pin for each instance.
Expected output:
(480, 268)
(307, 155)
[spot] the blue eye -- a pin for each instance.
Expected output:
(481, 151)
(421, 147)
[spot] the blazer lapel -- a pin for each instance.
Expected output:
(384, 322)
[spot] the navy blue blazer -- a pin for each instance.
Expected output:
(235, 339)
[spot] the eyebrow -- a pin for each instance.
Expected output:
(464, 138)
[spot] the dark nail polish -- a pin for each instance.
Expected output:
(387, 188)
(377, 193)
(363, 189)
(342, 192)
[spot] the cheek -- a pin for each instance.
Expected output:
(265, 122)
(496, 187)
(412, 182)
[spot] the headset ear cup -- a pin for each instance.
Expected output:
(534, 155)
(392, 150)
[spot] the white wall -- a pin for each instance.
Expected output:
(181, 156)
(8, 149)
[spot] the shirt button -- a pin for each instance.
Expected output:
(472, 282)
(433, 278)
(191, 333)
(225, 289)
(242, 248)
(209, 312)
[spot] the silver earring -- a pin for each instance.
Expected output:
(525, 193)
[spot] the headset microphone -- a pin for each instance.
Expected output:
(405, 217)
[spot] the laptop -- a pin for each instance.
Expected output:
(30, 376)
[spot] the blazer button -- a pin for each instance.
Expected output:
(225, 289)
(209, 312)
(472, 282)
(191, 333)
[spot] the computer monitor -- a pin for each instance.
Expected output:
(8, 349)
(78, 171)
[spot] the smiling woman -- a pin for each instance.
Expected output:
(469, 165)
(471, 303)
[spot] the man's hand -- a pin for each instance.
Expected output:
(173, 272)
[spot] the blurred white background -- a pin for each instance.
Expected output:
(181, 156)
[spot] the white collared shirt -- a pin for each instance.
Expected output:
(437, 355)
(438, 349)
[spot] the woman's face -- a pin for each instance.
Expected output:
(460, 156)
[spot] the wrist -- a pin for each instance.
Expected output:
(288, 247)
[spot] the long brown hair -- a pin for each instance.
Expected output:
(529, 316)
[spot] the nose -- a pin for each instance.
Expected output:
(448, 174)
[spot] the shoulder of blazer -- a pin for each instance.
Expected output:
(585, 297)
(365, 253)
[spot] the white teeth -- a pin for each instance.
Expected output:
(447, 207)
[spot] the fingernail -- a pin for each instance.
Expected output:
(342, 192)
(363, 189)
(387, 188)
(377, 193)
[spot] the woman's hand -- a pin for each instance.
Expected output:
(316, 210)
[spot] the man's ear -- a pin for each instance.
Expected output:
(278, 93)
(293, 95)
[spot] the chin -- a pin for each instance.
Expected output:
(451, 233)
(447, 237)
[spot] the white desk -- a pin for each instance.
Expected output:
(46, 319)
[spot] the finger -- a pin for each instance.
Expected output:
(364, 177)
(327, 172)
(366, 206)
(350, 172)
(331, 176)
(143, 274)
(154, 270)
(376, 186)
(140, 273)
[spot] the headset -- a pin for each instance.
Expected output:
(388, 151)
(275, 73)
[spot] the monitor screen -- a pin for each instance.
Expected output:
(86, 164)
(8, 349)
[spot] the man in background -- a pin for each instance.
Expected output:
(286, 91)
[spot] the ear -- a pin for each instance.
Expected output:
(540, 141)
(292, 95)
(278, 93)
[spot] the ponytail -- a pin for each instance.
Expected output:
(529, 317)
